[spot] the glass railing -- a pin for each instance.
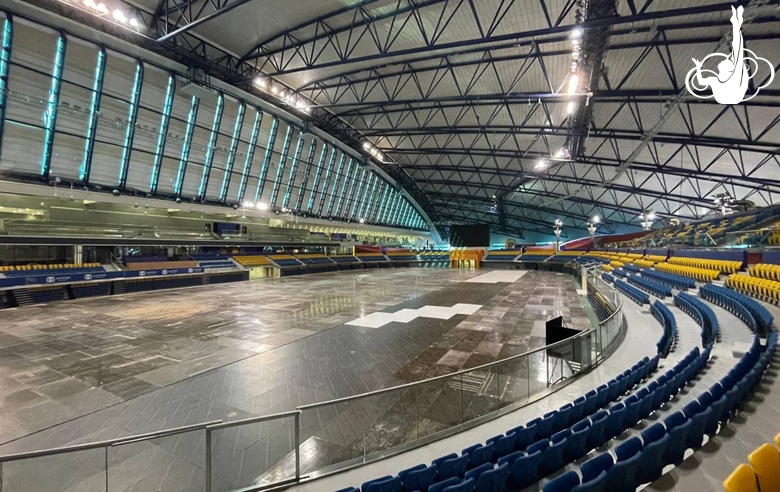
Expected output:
(322, 438)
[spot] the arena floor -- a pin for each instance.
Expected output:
(89, 370)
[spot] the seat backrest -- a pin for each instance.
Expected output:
(628, 449)
(454, 467)
(404, 473)
(439, 486)
(476, 472)
(465, 486)
(563, 483)
(538, 446)
(442, 459)
(384, 484)
(595, 485)
(766, 463)
(420, 479)
(653, 433)
(595, 466)
(674, 420)
(494, 480)
(510, 458)
(742, 479)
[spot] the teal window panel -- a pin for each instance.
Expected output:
(307, 172)
(293, 170)
(336, 178)
(132, 119)
(346, 183)
(317, 175)
(282, 164)
(94, 109)
(231, 159)
(369, 199)
(209, 158)
(185, 150)
(5, 63)
(358, 194)
(269, 152)
(162, 136)
(377, 213)
(50, 114)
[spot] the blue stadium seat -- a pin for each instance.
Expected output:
(654, 442)
(384, 484)
(479, 454)
(525, 470)
(525, 436)
(476, 472)
(615, 426)
(503, 444)
(444, 484)
(419, 479)
(510, 458)
(621, 477)
(552, 457)
(452, 466)
(577, 440)
(677, 426)
(465, 486)
(563, 483)
(597, 427)
(594, 473)
(494, 480)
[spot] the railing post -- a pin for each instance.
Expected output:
(298, 447)
(208, 459)
(106, 465)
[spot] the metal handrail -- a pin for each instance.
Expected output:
(105, 444)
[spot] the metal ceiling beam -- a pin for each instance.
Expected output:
(304, 58)
(407, 65)
(751, 13)
(755, 182)
(770, 148)
(205, 12)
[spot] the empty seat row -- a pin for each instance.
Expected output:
(766, 270)
(702, 313)
(502, 255)
(655, 258)
(664, 316)
(725, 266)
(631, 268)
(644, 263)
(761, 475)
(719, 296)
(534, 257)
(636, 461)
(701, 274)
(55, 266)
(561, 436)
(768, 290)
(675, 281)
(619, 272)
(761, 314)
(632, 292)
(608, 268)
(607, 277)
(655, 288)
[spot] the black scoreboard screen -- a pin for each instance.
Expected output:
(462, 236)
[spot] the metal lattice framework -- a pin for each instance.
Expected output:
(510, 112)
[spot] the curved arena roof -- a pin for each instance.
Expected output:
(508, 112)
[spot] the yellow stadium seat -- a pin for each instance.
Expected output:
(742, 479)
(766, 463)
